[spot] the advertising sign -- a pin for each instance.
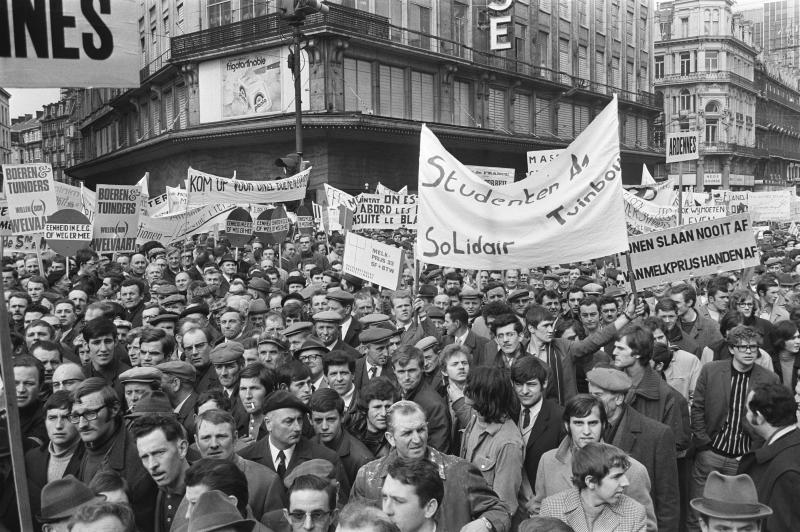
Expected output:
(538, 159)
(495, 176)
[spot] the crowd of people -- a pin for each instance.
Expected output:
(204, 387)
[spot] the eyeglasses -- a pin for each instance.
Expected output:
(88, 415)
(59, 385)
(747, 348)
(309, 358)
(744, 304)
(299, 517)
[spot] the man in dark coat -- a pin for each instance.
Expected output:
(775, 467)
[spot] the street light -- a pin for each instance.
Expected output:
(295, 12)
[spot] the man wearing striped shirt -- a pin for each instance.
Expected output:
(719, 427)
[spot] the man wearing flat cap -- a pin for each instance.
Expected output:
(177, 382)
(341, 301)
(285, 448)
(228, 361)
(377, 362)
(326, 328)
(730, 503)
(138, 381)
(647, 440)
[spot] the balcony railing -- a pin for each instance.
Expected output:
(730, 147)
(155, 65)
(375, 28)
(695, 77)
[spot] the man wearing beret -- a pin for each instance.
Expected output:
(647, 440)
(341, 302)
(285, 448)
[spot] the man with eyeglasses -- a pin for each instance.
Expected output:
(197, 351)
(719, 425)
(312, 505)
(95, 411)
(67, 376)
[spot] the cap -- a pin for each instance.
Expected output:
(283, 399)
(155, 402)
(345, 298)
(372, 319)
(427, 290)
(773, 260)
(124, 324)
(327, 316)
(226, 352)
(226, 258)
(518, 293)
(434, 312)
(214, 511)
(352, 280)
(297, 327)
(318, 467)
(166, 290)
(592, 289)
(60, 498)
(296, 279)
(274, 339)
(609, 379)
(311, 343)
(308, 291)
(146, 375)
(173, 298)
(426, 343)
(194, 308)
(176, 368)
(551, 277)
(468, 292)
(164, 316)
(614, 291)
(375, 335)
(257, 307)
(257, 283)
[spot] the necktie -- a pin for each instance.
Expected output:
(526, 418)
(313, 388)
(372, 371)
(281, 464)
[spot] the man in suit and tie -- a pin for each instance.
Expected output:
(456, 323)
(228, 361)
(285, 448)
(410, 318)
(178, 383)
(326, 328)
(539, 421)
(341, 302)
(376, 362)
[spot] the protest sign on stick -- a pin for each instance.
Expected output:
(272, 226)
(305, 220)
(373, 261)
(239, 227)
(67, 231)
(31, 195)
(116, 222)
(385, 211)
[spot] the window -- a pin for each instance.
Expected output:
(563, 56)
(565, 118)
(392, 92)
(544, 5)
(496, 112)
(219, 13)
(616, 79)
(564, 9)
(583, 62)
(715, 22)
(686, 63)
(686, 100)
(711, 61)
(600, 15)
(615, 20)
(421, 96)
(419, 19)
(659, 64)
(462, 104)
(358, 85)
(522, 113)
(252, 8)
(542, 44)
(629, 27)
(666, 31)
(179, 17)
(543, 118)
(685, 27)
(520, 41)
(600, 74)
(711, 129)
(630, 78)
(707, 22)
(460, 25)
(583, 15)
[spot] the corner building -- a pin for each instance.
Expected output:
(216, 92)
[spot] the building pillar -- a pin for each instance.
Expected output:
(726, 172)
(699, 175)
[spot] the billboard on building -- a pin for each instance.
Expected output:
(256, 83)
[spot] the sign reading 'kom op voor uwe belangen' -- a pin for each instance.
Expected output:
(116, 221)
(31, 195)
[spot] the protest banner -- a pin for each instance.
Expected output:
(345, 218)
(642, 216)
(674, 254)
(373, 261)
(682, 146)
(239, 227)
(495, 176)
(23, 243)
(538, 159)
(204, 189)
(319, 217)
(157, 206)
(380, 188)
(305, 220)
(67, 231)
(178, 227)
(116, 221)
(177, 199)
(738, 202)
(256, 209)
(5, 219)
(568, 211)
(385, 211)
(703, 213)
(272, 226)
(336, 197)
(772, 206)
(31, 195)
(795, 208)
(68, 196)
(70, 43)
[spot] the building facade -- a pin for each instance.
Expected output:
(26, 138)
(777, 130)
(216, 93)
(5, 128)
(59, 135)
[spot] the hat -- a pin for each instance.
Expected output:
(226, 258)
(773, 260)
(434, 312)
(614, 291)
(284, 399)
(327, 316)
(257, 307)
(375, 335)
(318, 467)
(730, 497)
(60, 498)
(468, 291)
(345, 298)
(592, 289)
(352, 280)
(433, 274)
(154, 252)
(146, 375)
(372, 319)
(297, 327)
(176, 368)
(296, 279)
(165, 289)
(173, 298)
(155, 402)
(308, 291)
(215, 511)
(226, 352)
(426, 343)
(551, 277)
(194, 308)
(274, 339)
(257, 283)
(312, 342)
(118, 323)
(786, 279)
(518, 293)
(609, 379)
(427, 290)
(164, 316)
